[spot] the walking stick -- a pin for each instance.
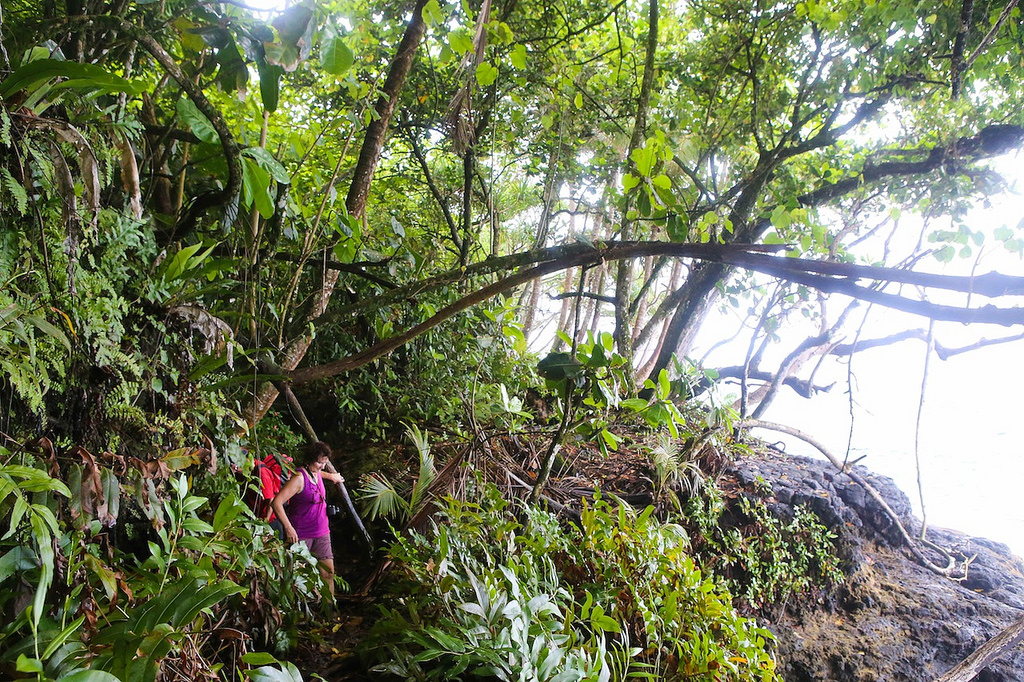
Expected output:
(352, 509)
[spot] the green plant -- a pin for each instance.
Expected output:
(676, 471)
(384, 500)
(92, 608)
(510, 593)
(763, 558)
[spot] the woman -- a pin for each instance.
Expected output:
(306, 516)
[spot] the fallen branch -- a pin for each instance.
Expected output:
(967, 670)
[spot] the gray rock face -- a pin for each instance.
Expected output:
(893, 619)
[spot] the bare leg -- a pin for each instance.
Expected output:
(326, 567)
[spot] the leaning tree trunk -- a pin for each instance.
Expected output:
(355, 202)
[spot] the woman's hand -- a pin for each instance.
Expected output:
(291, 535)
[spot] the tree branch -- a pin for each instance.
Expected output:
(863, 483)
(581, 254)
(968, 669)
(803, 388)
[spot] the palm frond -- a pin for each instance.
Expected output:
(381, 499)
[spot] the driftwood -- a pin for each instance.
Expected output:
(967, 669)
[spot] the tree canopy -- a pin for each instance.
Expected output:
(346, 171)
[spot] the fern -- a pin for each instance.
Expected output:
(5, 128)
(16, 190)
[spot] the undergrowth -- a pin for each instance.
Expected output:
(764, 559)
(507, 592)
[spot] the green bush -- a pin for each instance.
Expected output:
(509, 593)
(764, 559)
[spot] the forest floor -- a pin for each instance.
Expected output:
(932, 622)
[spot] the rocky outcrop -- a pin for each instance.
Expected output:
(893, 619)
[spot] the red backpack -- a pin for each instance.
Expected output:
(272, 476)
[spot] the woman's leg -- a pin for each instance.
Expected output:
(326, 567)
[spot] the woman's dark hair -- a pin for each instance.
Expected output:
(311, 452)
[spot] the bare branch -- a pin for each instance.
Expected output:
(991, 650)
(912, 545)
(583, 254)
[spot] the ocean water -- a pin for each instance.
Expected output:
(970, 449)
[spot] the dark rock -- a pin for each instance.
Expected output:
(893, 619)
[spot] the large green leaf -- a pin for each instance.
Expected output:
(270, 83)
(86, 78)
(196, 121)
(337, 57)
(89, 676)
(267, 161)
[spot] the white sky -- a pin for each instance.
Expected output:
(971, 444)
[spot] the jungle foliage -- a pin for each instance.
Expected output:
(201, 203)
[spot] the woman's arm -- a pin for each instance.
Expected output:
(333, 477)
(288, 490)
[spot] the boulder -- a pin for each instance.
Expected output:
(892, 619)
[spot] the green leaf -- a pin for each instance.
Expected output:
(610, 439)
(227, 511)
(270, 84)
(337, 57)
(781, 218)
(293, 24)
(287, 673)
(89, 675)
(432, 14)
(62, 637)
(486, 74)
(196, 120)
(176, 266)
(78, 76)
(43, 538)
(661, 181)
(17, 560)
(635, 404)
(518, 56)
(558, 366)
(256, 185)
(29, 665)
(461, 41)
(644, 159)
(259, 658)
(50, 330)
(664, 385)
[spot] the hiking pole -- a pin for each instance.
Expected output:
(351, 508)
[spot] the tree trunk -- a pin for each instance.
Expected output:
(624, 275)
(355, 202)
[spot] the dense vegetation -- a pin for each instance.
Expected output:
(370, 208)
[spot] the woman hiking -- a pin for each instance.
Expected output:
(305, 518)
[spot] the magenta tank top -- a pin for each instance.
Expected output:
(307, 509)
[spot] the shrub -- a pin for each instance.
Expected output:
(510, 593)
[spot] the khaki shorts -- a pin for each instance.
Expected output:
(320, 547)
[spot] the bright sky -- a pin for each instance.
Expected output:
(971, 445)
